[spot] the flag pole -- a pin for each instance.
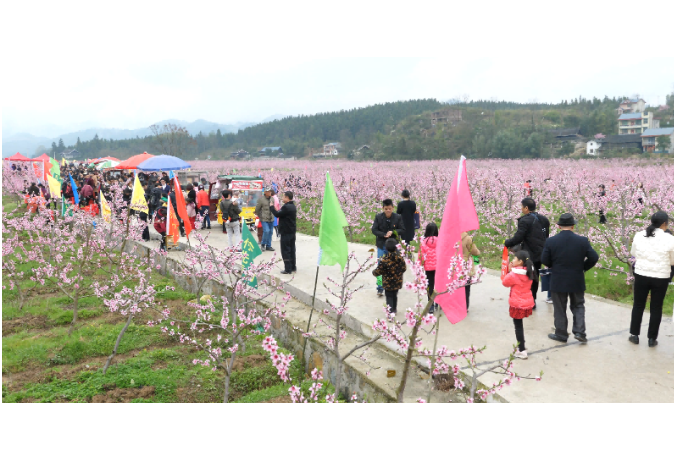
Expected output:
(314, 295)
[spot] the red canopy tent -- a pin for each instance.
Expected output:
(134, 161)
(18, 157)
(47, 164)
(43, 157)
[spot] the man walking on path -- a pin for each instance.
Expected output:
(406, 209)
(383, 228)
(287, 231)
(569, 256)
(230, 214)
(531, 233)
(267, 219)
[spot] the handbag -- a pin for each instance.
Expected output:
(416, 220)
(191, 210)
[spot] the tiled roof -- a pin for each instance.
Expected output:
(564, 132)
(630, 116)
(658, 132)
(622, 138)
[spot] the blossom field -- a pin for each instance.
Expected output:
(112, 317)
(497, 188)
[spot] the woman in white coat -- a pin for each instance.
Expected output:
(653, 250)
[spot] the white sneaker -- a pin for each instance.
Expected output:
(523, 355)
(549, 301)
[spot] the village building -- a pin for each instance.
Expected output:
(239, 154)
(271, 151)
(69, 155)
(631, 106)
(329, 150)
(593, 147)
(650, 140)
(566, 134)
(636, 122)
(620, 142)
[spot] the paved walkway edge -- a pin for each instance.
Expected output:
(368, 380)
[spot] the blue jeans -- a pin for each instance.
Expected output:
(381, 253)
(267, 234)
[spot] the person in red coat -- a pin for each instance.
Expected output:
(428, 258)
(521, 302)
(203, 205)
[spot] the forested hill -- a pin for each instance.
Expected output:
(295, 134)
(415, 129)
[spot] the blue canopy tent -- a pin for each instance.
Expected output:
(163, 163)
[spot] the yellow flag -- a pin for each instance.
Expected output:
(63, 161)
(138, 199)
(105, 208)
(54, 187)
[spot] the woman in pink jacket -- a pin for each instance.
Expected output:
(428, 257)
(521, 300)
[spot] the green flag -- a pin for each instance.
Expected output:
(55, 169)
(250, 250)
(332, 240)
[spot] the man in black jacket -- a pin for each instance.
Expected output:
(383, 228)
(287, 231)
(532, 232)
(569, 256)
(155, 198)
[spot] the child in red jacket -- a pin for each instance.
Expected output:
(521, 301)
(428, 257)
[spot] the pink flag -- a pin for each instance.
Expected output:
(459, 216)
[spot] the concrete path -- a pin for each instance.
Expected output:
(607, 369)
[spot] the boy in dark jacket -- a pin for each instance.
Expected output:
(392, 267)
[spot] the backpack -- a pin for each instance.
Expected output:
(416, 220)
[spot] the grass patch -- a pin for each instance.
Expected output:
(266, 394)
(134, 373)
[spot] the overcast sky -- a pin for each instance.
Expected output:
(130, 68)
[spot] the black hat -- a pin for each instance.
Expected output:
(566, 220)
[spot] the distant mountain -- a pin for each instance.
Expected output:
(272, 118)
(26, 144)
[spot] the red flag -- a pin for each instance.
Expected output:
(459, 216)
(505, 263)
(172, 224)
(181, 208)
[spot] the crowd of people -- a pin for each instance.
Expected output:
(562, 259)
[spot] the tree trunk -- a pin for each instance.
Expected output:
(76, 303)
(227, 388)
(409, 353)
(339, 368)
(433, 361)
(117, 343)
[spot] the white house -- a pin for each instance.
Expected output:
(593, 147)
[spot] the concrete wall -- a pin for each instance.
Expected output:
(286, 332)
